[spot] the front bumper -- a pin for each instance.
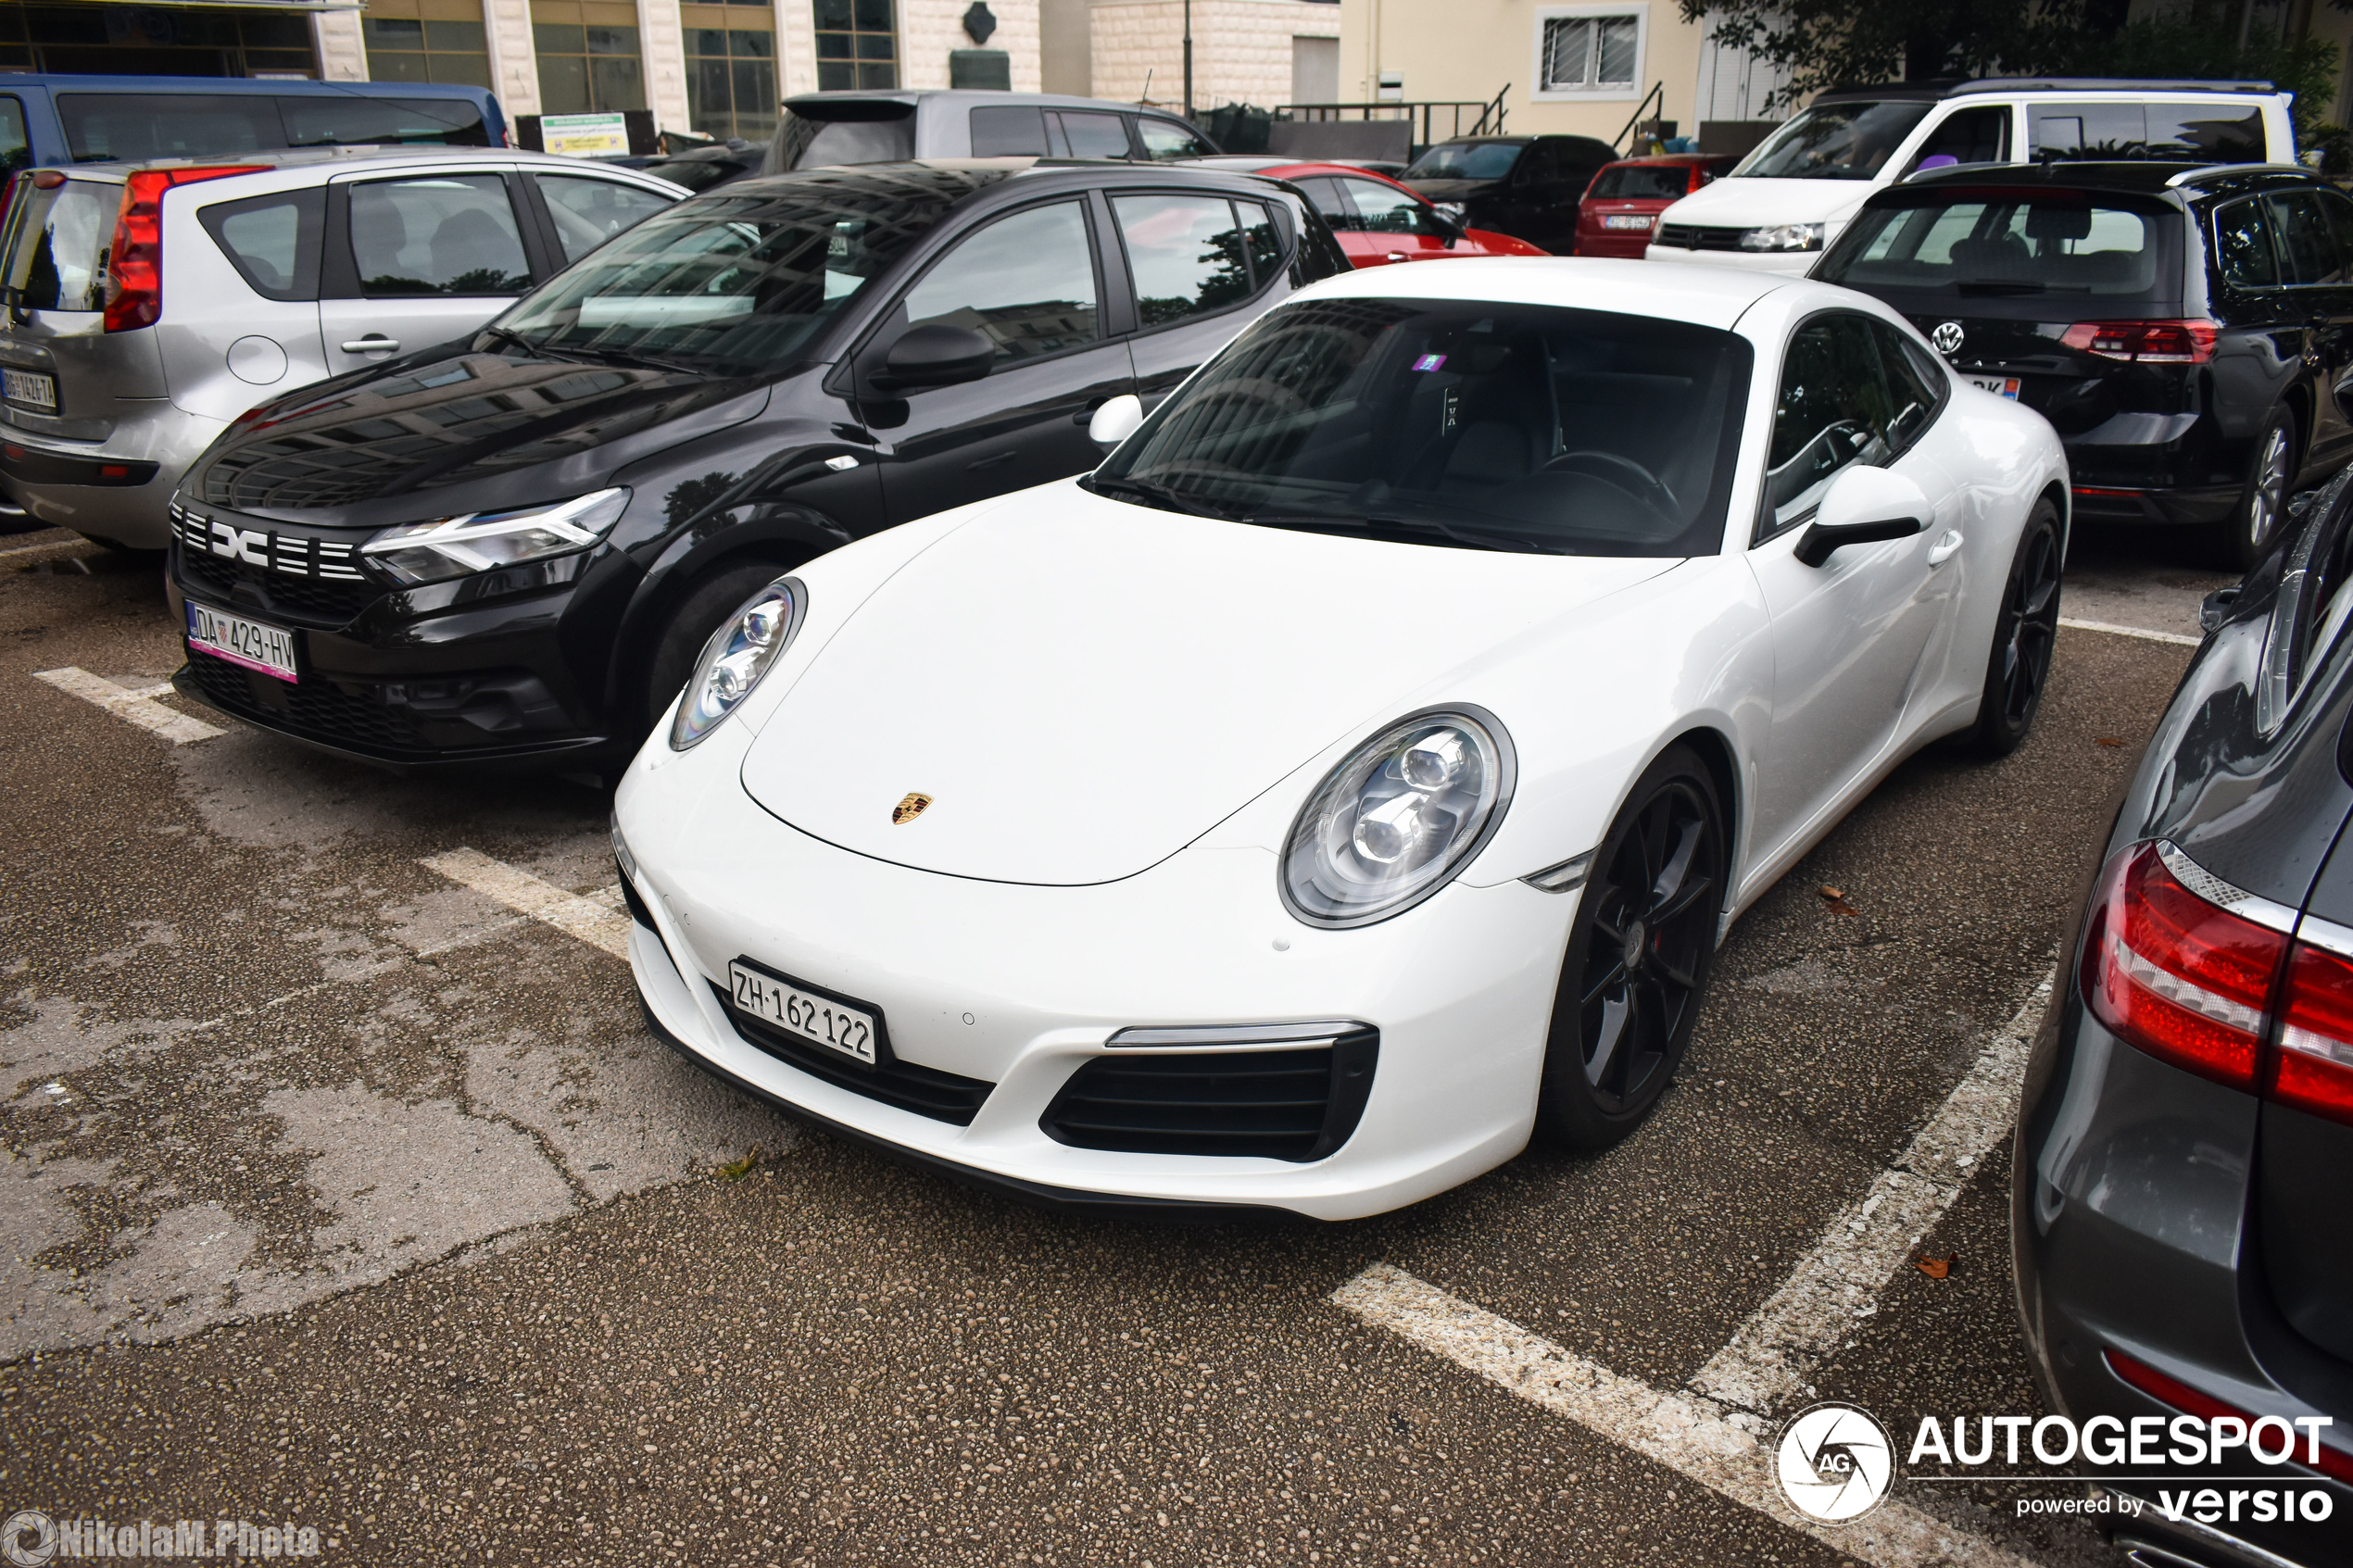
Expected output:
(1018, 987)
(1791, 263)
(119, 489)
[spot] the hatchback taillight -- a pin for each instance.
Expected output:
(2148, 343)
(2313, 1068)
(135, 262)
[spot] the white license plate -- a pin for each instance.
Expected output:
(1627, 220)
(30, 388)
(2001, 387)
(819, 1020)
(270, 649)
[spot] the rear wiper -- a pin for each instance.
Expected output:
(1416, 530)
(2018, 285)
(1159, 495)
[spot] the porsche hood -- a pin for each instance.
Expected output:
(1081, 687)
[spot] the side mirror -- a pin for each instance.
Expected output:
(2215, 608)
(1116, 421)
(1863, 506)
(1447, 222)
(937, 355)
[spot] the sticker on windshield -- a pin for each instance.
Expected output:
(1429, 361)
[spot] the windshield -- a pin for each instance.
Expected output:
(1466, 160)
(1985, 244)
(1636, 181)
(695, 173)
(880, 133)
(1835, 142)
(735, 285)
(1518, 427)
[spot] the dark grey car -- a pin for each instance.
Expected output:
(2183, 1196)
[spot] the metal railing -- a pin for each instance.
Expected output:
(1658, 94)
(1486, 118)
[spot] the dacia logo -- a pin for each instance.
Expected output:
(248, 544)
(909, 808)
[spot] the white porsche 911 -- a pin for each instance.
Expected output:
(1354, 775)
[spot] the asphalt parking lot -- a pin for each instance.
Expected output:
(345, 1189)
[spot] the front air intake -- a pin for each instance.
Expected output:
(1153, 1095)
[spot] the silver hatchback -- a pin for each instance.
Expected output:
(145, 306)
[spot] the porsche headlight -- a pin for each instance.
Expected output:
(453, 547)
(1396, 821)
(738, 654)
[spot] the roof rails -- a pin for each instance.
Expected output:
(2216, 172)
(1949, 88)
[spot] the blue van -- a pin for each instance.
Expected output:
(50, 120)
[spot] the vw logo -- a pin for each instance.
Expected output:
(1947, 338)
(1834, 1462)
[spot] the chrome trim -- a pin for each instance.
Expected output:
(296, 555)
(2326, 935)
(2223, 894)
(1564, 877)
(1203, 1036)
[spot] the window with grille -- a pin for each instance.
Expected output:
(857, 45)
(1590, 53)
(731, 68)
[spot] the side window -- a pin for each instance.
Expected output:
(1979, 135)
(1385, 209)
(446, 233)
(1263, 240)
(2339, 211)
(1185, 252)
(1027, 281)
(1094, 135)
(1832, 412)
(2243, 245)
(1008, 130)
(2307, 251)
(1324, 194)
(1167, 139)
(272, 240)
(2206, 132)
(589, 211)
(14, 151)
(1915, 381)
(2098, 132)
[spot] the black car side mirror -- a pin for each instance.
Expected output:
(937, 356)
(2215, 608)
(1446, 225)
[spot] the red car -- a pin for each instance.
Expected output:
(1377, 220)
(1618, 209)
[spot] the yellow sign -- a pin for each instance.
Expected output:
(584, 135)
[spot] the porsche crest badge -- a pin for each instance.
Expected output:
(908, 809)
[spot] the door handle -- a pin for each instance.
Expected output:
(1942, 550)
(1397, 255)
(991, 462)
(374, 343)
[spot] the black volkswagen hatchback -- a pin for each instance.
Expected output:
(2180, 1226)
(511, 548)
(2188, 332)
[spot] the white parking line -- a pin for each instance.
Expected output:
(595, 918)
(2141, 632)
(139, 706)
(1686, 1433)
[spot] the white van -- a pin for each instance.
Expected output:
(1784, 202)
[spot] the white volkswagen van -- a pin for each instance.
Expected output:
(1786, 201)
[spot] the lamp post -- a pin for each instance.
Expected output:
(1188, 59)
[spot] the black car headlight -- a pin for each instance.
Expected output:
(738, 654)
(455, 547)
(1395, 822)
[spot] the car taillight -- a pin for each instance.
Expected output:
(2175, 974)
(2148, 343)
(2309, 1451)
(135, 262)
(2313, 1068)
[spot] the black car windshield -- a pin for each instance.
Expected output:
(736, 283)
(1835, 142)
(1981, 242)
(1517, 427)
(1466, 160)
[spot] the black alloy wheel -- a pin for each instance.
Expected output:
(2025, 631)
(1639, 955)
(2256, 520)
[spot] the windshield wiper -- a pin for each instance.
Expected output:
(631, 357)
(1411, 529)
(1159, 495)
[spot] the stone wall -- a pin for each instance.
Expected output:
(929, 30)
(1241, 48)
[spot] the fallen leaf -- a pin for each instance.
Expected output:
(737, 1170)
(1830, 891)
(2105, 740)
(1936, 1268)
(1836, 901)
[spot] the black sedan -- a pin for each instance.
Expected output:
(2182, 1236)
(1524, 186)
(2188, 332)
(511, 547)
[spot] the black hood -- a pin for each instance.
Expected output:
(452, 431)
(1456, 190)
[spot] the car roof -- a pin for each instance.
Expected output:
(1010, 171)
(301, 157)
(1707, 297)
(913, 97)
(1680, 160)
(1930, 92)
(2149, 177)
(70, 82)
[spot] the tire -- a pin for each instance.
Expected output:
(2255, 522)
(1639, 955)
(707, 603)
(2018, 665)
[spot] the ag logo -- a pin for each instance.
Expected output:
(28, 1538)
(908, 809)
(1947, 338)
(1834, 1462)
